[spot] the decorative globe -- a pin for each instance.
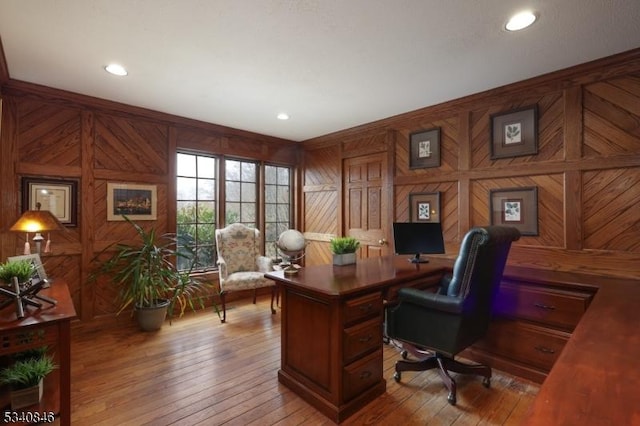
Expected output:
(291, 242)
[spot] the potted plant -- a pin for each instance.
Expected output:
(344, 250)
(148, 279)
(25, 377)
(21, 269)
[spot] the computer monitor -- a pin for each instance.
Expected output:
(418, 238)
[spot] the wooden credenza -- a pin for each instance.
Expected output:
(332, 318)
(48, 326)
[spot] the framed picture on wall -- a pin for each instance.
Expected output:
(424, 149)
(514, 133)
(59, 196)
(517, 207)
(137, 202)
(424, 207)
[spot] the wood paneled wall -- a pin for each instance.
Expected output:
(587, 169)
(54, 134)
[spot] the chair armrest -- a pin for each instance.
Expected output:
(265, 264)
(429, 300)
(222, 268)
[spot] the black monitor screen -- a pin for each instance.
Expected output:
(418, 238)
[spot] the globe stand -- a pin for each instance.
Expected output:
(288, 267)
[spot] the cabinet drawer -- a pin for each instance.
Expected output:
(361, 375)
(558, 308)
(526, 343)
(361, 338)
(362, 307)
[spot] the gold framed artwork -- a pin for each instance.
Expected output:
(517, 207)
(514, 133)
(424, 207)
(137, 202)
(59, 196)
(424, 149)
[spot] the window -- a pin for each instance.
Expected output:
(241, 185)
(277, 205)
(199, 209)
(196, 210)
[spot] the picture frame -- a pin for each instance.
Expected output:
(59, 196)
(136, 201)
(39, 273)
(424, 149)
(517, 207)
(515, 133)
(424, 207)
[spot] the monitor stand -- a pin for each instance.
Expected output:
(418, 259)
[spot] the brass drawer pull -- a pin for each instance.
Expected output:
(544, 350)
(365, 339)
(366, 308)
(365, 375)
(545, 307)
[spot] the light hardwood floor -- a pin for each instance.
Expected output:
(201, 372)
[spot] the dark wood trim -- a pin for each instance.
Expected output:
(4, 67)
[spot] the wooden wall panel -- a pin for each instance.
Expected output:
(611, 212)
(321, 167)
(123, 144)
(586, 168)
(612, 117)
(48, 134)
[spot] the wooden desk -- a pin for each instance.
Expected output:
(332, 320)
(47, 326)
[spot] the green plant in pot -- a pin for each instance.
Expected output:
(21, 269)
(25, 377)
(344, 250)
(147, 277)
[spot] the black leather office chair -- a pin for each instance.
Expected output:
(451, 319)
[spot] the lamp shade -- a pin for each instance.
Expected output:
(37, 221)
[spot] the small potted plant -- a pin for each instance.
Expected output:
(21, 269)
(344, 250)
(147, 278)
(25, 377)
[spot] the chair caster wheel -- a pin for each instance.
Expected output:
(404, 354)
(486, 382)
(451, 399)
(397, 376)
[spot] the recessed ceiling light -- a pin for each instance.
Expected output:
(520, 21)
(116, 69)
(283, 116)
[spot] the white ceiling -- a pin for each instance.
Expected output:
(330, 64)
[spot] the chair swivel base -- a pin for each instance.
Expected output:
(444, 364)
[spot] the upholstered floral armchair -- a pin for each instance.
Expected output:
(240, 263)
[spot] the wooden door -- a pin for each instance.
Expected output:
(367, 199)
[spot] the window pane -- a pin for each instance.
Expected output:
(270, 194)
(233, 213)
(248, 213)
(186, 212)
(248, 172)
(232, 170)
(206, 189)
(248, 192)
(207, 211)
(186, 165)
(270, 213)
(186, 188)
(206, 167)
(283, 176)
(283, 194)
(270, 175)
(232, 191)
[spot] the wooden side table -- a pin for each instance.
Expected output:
(48, 326)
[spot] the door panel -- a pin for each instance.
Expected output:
(367, 204)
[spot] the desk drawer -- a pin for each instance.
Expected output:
(361, 338)
(560, 308)
(362, 307)
(361, 375)
(526, 343)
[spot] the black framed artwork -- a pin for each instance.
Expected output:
(517, 207)
(424, 149)
(514, 133)
(59, 196)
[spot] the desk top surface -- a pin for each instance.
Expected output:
(62, 310)
(364, 274)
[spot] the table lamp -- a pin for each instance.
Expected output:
(37, 221)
